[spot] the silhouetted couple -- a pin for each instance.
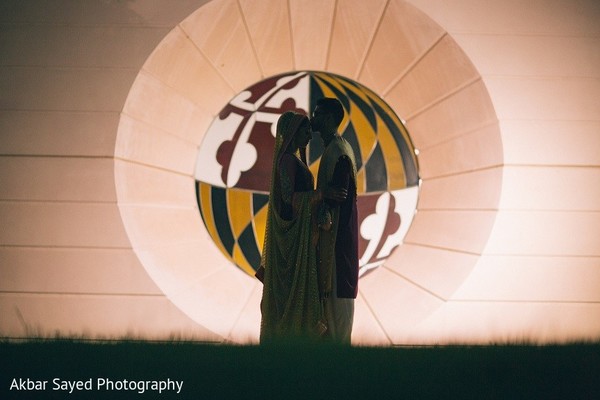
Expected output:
(309, 263)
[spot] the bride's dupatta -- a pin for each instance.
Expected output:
(290, 305)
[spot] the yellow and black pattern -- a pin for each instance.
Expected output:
(383, 150)
(232, 217)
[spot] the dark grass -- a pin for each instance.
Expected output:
(308, 371)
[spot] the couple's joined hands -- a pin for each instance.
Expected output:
(335, 193)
